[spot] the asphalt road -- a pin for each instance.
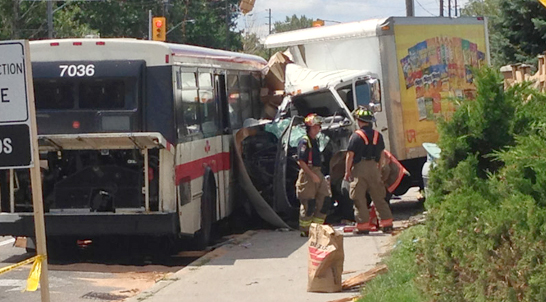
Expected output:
(83, 279)
(87, 277)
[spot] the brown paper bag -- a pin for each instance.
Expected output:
(325, 259)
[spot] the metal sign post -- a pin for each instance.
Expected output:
(18, 135)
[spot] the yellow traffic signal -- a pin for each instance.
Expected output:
(159, 29)
(318, 23)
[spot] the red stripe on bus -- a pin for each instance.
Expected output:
(195, 169)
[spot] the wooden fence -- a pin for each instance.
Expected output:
(518, 73)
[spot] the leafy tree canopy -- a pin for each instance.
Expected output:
(253, 45)
(517, 28)
(209, 23)
(523, 29)
(292, 23)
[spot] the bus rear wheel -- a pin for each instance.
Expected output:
(203, 236)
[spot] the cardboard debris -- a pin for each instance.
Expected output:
(20, 242)
(274, 79)
(363, 277)
(191, 254)
(246, 6)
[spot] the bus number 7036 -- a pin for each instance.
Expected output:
(133, 143)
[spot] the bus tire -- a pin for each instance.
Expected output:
(208, 199)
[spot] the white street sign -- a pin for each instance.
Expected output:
(13, 91)
(15, 94)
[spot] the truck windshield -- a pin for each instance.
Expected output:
(346, 94)
(322, 103)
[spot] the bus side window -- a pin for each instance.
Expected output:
(233, 101)
(257, 105)
(208, 106)
(188, 109)
(245, 96)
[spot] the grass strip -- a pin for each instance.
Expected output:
(398, 283)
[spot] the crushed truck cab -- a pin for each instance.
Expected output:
(268, 150)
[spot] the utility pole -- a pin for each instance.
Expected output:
(269, 28)
(165, 8)
(50, 12)
(227, 24)
(150, 24)
(441, 8)
(410, 9)
(449, 8)
(456, 13)
(269, 20)
(49, 19)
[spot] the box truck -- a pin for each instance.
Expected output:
(421, 63)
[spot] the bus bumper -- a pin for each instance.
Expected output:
(92, 224)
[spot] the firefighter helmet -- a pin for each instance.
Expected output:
(364, 115)
(313, 119)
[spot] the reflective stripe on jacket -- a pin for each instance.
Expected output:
(365, 137)
(396, 174)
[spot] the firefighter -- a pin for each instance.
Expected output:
(396, 178)
(311, 187)
(362, 162)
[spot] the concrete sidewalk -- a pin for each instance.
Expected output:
(265, 266)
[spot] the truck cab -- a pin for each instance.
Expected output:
(330, 94)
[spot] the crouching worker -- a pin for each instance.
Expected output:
(311, 186)
(362, 162)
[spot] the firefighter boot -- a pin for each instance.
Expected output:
(374, 220)
(362, 228)
(386, 226)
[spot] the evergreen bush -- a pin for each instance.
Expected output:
(486, 228)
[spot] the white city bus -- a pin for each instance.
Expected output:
(135, 138)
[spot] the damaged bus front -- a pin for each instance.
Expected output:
(269, 151)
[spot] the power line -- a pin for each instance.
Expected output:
(424, 8)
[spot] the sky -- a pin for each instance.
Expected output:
(334, 11)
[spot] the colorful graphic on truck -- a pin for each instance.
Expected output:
(435, 64)
(440, 65)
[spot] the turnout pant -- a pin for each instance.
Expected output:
(311, 196)
(368, 179)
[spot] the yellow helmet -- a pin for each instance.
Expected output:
(364, 115)
(313, 119)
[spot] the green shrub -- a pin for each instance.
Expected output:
(485, 234)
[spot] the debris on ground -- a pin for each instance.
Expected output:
(363, 277)
(194, 254)
(348, 299)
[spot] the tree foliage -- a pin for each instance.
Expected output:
(209, 23)
(292, 23)
(517, 28)
(253, 45)
(523, 28)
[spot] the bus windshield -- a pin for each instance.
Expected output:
(88, 94)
